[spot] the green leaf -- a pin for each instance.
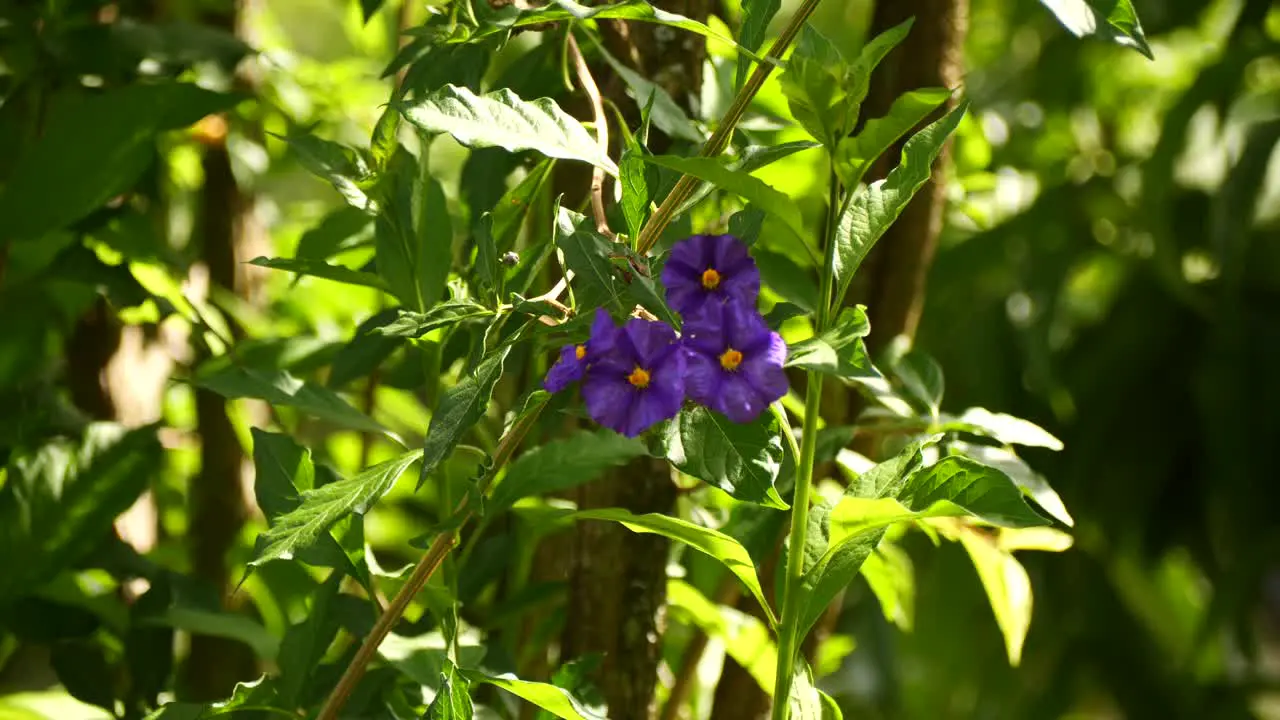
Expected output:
(326, 505)
(921, 376)
(557, 701)
(342, 166)
(512, 16)
(664, 112)
(365, 351)
(742, 459)
(1008, 589)
(745, 638)
(321, 269)
(804, 699)
(280, 388)
(219, 623)
(342, 228)
(870, 210)
(460, 407)
(739, 182)
(1008, 429)
(854, 155)
(889, 574)
(305, 643)
(383, 143)
(452, 701)
(888, 478)
(82, 668)
(756, 15)
(76, 166)
(502, 119)
(563, 464)
(408, 324)
(1029, 481)
(824, 352)
(589, 255)
(981, 490)
(819, 89)
(511, 210)
(634, 176)
(712, 542)
(58, 502)
(413, 232)
(1111, 20)
(179, 43)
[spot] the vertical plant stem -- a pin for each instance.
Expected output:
(788, 629)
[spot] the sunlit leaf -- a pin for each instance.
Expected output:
(740, 183)
(407, 324)
(889, 574)
(342, 166)
(1008, 589)
(742, 459)
(563, 464)
(745, 638)
(557, 701)
(413, 232)
(871, 210)
(324, 506)
(980, 489)
(712, 542)
(321, 269)
(854, 155)
(589, 256)
(452, 701)
(1031, 482)
(1113, 20)
(502, 119)
(756, 15)
(1009, 429)
(280, 388)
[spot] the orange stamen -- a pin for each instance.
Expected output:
(710, 279)
(580, 351)
(639, 377)
(731, 359)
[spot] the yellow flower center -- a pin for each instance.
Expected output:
(710, 279)
(639, 377)
(580, 351)
(731, 359)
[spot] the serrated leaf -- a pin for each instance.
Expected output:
(58, 502)
(407, 324)
(711, 542)
(872, 209)
(460, 407)
(740, 183)
(321, 269)
(563, 464)
(280, 388)
(324, 506)
(77, 165)
(1112, 20)
(502, 119)
(742, 459)
(854, 155)
(980, 489)
(557, 701)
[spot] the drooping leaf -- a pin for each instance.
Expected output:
(342, 166)
(326, 505)
(452, 701)
(280, 388)
(756, 15)
(1111, 20)
(712, 542)
(742, 459)
(563, 464)
(557, 701)
(408, 324)
(888, 573)
(664, 112)
(413, 232)
(502, 119)
(745, 638)
(1028, 480)
(981, 490)
(740, 183)
(1008, 589)
(76, 166)
(854, 155)
(870, 211)
(460, 407)
(1009, 429)
(58, 502)
(321, 269)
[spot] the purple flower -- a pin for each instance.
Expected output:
(734, 361)
(710, 269)
(639, 381)
(574, 358)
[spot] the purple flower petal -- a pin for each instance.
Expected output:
(739, 400)
(702, 377)
(640, 381)
(734, 361)
(708, 269)
(567, 370)
(609, 399)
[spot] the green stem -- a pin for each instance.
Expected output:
(719, 140)
(789, 627)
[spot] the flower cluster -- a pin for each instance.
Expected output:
(639, 374)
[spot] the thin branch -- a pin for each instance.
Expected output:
(602, 135)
